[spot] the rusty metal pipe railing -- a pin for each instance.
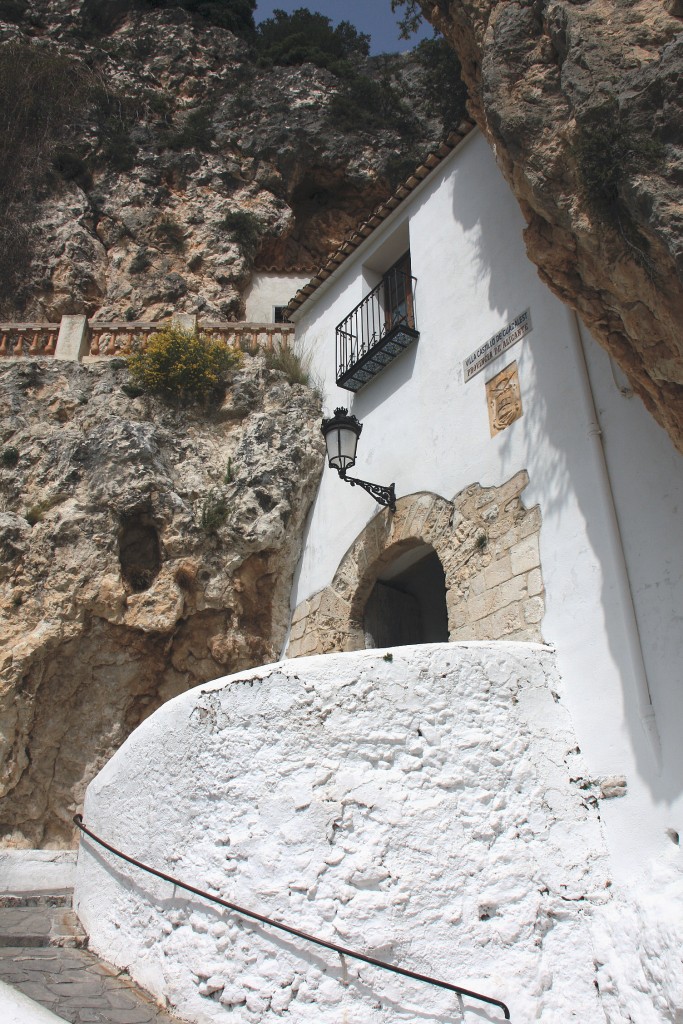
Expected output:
(262, 919)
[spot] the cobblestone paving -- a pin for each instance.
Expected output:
(77, 986)
(70, 981)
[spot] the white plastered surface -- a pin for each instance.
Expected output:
(430, 809)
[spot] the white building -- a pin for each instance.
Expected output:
(504, 812)
(605, 479)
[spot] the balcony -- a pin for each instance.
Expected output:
(377, 330)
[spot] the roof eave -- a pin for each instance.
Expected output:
(367, 227)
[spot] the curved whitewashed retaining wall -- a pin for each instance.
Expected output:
(428, 806)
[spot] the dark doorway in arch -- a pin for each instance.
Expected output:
(407, 604)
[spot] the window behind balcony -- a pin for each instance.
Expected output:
(379, 328)
(398, 294)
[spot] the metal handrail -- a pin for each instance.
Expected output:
(341, 950)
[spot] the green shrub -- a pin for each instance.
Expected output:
(307, 37)
(411, 18)
(214, 511)
(444, 88)
(195, 131)
(13, 10)
(609, 152)
(235, 15)
(295, 366)
(132, 390)
(118, 151)
(43, 95)
(176, 362)
(397, 167)
(243, 102)
(10, 456)
(103, 16)
(366, 103)
(245, 229)
(71, 167)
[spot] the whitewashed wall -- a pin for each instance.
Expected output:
(430, 810)
(268, 290)
(427, 430)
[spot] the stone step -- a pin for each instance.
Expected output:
(38, 925)
(51, 898)
(78, 987)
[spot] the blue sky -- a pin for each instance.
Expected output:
(374, 17)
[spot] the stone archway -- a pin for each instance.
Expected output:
(407, 604)
(488, 544)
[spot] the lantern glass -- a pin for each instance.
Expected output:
(341, 447)
(341, 437)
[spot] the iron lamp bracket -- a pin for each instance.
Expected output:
(383, 495)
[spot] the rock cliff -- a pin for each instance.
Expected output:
(163, 161)
(145, 548)
(582, 102)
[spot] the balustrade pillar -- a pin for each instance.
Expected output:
(72, 341)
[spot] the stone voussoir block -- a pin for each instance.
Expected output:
(501, 623)
(498, 572)
(332, 605)
(531, 523)
(300, 612)
(482, 606)
(533, 610)
(534, 582)
(511, 591)
(477, 583)
(525, 555)
(298, 630)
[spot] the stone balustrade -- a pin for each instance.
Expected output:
(76, 338)
(251, 336)
(28, 339)
(118, 338)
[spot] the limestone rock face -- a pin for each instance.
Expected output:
(144, 549)
(582, 102)
(180, 130)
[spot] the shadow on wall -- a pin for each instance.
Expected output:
(562, 456)
(385, 384)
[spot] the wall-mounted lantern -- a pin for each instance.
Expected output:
(341, 433)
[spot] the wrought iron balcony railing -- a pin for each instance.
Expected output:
(377, 330)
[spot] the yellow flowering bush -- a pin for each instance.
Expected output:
(176, 362)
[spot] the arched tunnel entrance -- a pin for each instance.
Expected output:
(407, 604)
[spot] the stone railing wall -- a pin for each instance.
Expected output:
(28, 339)
(77, 338)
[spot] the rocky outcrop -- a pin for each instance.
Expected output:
(175, 129)
(583, 105)
(145, 548)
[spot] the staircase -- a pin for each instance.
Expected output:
(44, 955)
